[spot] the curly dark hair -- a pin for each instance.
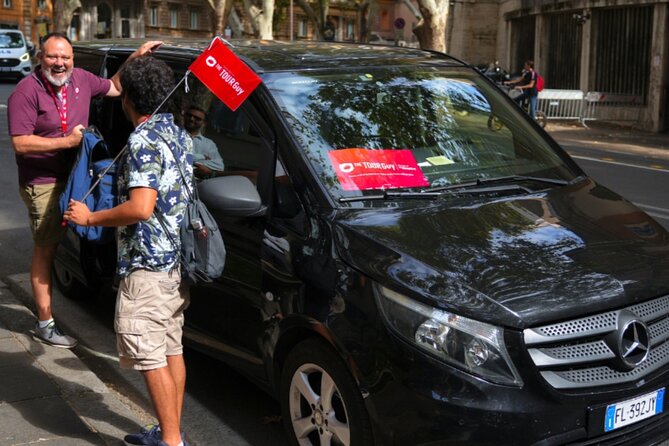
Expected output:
(146, 81)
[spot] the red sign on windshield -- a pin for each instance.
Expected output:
(364, 169)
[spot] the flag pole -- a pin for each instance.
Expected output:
(104, 172)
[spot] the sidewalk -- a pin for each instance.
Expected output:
(48, 395)
(610, 137)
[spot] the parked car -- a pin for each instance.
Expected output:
(413, 260)
(14, 54)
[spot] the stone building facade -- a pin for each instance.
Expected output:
(183, 18)
(32, 17)
(615, 51)
(99, 19)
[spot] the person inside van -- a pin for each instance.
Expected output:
(207, 161)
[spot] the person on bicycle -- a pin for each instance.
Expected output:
(526, 83)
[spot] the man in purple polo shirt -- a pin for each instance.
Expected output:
(46, 114)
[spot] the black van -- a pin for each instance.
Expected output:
(411, 259)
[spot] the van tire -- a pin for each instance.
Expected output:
(310, 364)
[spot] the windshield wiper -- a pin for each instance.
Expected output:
(390, 195)
(481, 185)
(489, 181)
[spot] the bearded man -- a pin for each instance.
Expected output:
(46, 115)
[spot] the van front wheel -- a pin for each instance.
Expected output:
(320, 402)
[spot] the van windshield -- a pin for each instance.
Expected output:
(409, 128)
(11, 40)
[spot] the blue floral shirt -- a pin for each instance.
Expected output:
(150, 162)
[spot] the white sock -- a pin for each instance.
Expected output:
(44, 324)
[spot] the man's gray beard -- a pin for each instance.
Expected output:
(56, 82)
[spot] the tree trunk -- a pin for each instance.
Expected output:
(431, 31)
(261, 18)
(266, 20)
(221, 10)
(318, 17)
(62, 13)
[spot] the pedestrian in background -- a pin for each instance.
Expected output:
(527, 84)
(46, 114)
(151, 300)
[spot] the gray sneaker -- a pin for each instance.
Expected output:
(53, 335)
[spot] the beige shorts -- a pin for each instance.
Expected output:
(41, 200)
(149, 318)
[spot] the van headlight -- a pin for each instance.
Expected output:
(25, 57)
(475, 347)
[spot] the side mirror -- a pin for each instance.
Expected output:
(31, 48)
(231, 196)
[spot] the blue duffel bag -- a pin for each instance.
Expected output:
(93, 181)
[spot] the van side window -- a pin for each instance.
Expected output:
(89, 61)
(238, 141)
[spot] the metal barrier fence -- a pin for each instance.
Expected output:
(575, 104)
(618, 107)
(561, 104)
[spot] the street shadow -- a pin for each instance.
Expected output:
(48, 402)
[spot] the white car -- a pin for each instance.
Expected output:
(14, 54)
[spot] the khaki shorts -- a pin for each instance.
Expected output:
(41, 200)
(149, 318)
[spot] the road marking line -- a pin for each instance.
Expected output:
(618, 163)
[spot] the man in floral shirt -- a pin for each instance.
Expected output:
(150, 303)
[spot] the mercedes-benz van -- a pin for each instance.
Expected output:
(411, 260)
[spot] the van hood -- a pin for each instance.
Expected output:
(515, 261)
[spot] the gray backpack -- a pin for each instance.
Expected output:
(202, 247)
(202, 253)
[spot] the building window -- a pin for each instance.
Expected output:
(350, 30)
(623, 53)
(7, 3)
(302, 28)
(174, 18)
(194, 19)
(41, 4)
(153, 16)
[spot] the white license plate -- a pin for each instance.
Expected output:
(631, 411)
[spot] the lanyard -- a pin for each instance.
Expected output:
(62, 108)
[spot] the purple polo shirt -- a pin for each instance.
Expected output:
(31, 110)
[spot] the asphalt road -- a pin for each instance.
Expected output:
(221, 406)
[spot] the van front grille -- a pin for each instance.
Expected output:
(9, 62)
(587, 352)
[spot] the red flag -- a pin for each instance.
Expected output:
(225, 74)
